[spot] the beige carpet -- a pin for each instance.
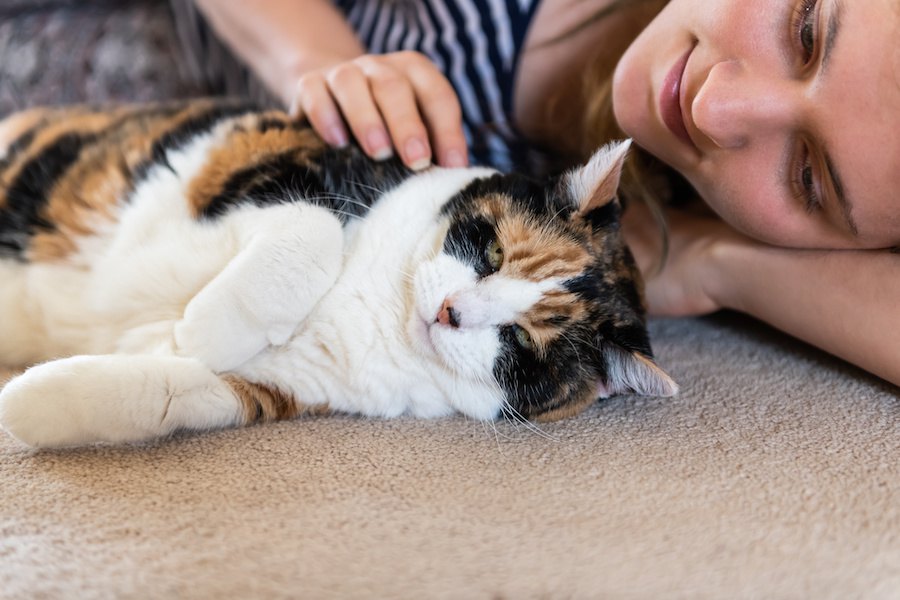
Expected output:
(775, 474)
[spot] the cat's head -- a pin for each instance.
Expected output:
(534, 292)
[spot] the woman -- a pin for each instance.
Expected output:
(782, 114)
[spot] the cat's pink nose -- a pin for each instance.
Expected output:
(448, 315)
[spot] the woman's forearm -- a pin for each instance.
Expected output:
(845, 302)
(282, 39)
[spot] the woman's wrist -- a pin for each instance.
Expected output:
(730, 264)
(280, 40)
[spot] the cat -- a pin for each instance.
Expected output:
(200, 265)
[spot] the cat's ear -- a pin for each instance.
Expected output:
(593, 186)
(628, 371)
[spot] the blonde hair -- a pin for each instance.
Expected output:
(645, 179)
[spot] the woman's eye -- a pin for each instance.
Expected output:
(806, 28)
(809, 190)
(805, 185)
(493, 254)
(807, 178)
(523, 338)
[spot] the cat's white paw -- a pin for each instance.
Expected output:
(114, 398)
(266, 291)
(44, 407)
(219, 332)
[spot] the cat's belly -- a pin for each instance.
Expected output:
(127, 300)
(44, 314)
(21, 339)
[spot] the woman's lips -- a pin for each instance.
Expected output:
(670, 100)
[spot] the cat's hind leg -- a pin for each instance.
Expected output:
(18, 332)
(290, 256)
(115, 398)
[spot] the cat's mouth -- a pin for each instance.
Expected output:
(420, 334)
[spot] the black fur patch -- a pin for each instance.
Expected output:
(528, 194)
(566, 371)
(27, 196)
(342, 180)
(349, 173)
(277, 181)
(467, 240)
(185, 132)
(535, 385)
(605, 217)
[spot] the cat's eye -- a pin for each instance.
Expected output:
(523, 338)
(493, 254)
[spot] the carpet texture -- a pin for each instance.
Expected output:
(774, 474)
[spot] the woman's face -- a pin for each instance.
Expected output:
(783, 114)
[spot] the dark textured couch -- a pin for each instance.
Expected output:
(68, 51)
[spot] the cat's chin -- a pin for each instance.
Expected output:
(420, 338)
(435, 343)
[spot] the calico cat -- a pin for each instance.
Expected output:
(205, 264)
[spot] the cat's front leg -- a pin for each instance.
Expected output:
(115, 398)
(291, 255)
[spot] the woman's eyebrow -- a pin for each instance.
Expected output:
(842, 200)
(831, 36)
(832, 31)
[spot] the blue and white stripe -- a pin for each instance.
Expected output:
(476, 44)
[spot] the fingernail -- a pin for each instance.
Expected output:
(337, 136)
(379, 145)
(416, 154)
(454, 158)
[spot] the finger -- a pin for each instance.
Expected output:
(313, 100)
(350, 89)
(397, 103)
(440, 109)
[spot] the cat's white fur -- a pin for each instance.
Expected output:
(152, 309)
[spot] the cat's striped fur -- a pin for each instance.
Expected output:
(207, 264)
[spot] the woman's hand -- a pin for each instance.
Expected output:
(398, 101)
(687, 284)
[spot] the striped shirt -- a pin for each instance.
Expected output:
(477, 45)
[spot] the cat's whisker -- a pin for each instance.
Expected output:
(567, 337)
(339, 197)
(491, 422)
(407, 274)
(343, 198)
(484, 428)
(558, 213)
(512, 416)
(373, 188)
(262, 231)
(529, 425)
(497, 436)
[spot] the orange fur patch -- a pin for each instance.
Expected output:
(245, 148)
(16, 125)
(102, 174)
(262, 403)
(541, 320)
(532, 250)
(568, 410)
(100, 178)
(536, 251)
(55, 124)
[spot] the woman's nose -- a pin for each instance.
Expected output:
(735, 104)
